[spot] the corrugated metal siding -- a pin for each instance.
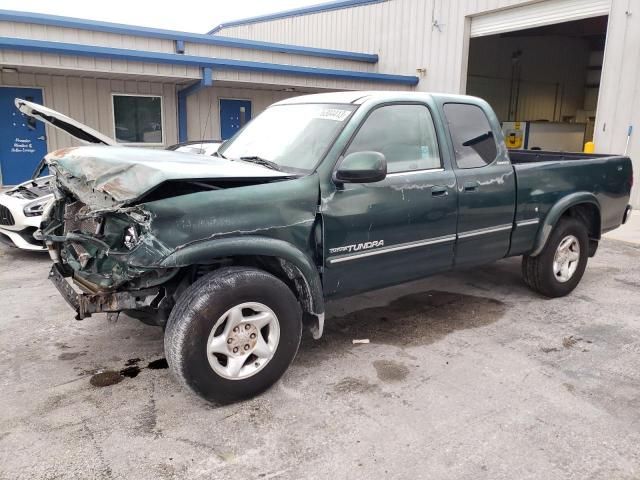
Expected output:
(204, 50)
(88, 100)
(298, 81)
(399, 31)
(76, 65)
(87, 37)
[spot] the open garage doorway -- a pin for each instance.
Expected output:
(543, 82)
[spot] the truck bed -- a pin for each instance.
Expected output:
(544, 178)
(529, 156)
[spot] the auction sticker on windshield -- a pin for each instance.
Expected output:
(334, 114)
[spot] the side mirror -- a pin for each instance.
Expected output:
(361, 167)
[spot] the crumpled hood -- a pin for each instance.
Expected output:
(125, 174)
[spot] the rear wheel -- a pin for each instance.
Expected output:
(557, 270)
(233, 334)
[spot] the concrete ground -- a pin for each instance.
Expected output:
(629, 232)
(468, 375)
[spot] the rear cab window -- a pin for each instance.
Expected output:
(473, 140)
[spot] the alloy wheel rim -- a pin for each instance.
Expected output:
(243, 340)
(566, 258)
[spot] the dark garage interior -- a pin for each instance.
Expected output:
(542, 82)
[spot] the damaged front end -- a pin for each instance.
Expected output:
(130, 228)
(96, 247)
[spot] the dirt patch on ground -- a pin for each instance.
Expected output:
(570, 341)
(354, 385)
(104, 379)
(630, 283)
(70, 355)
(389, 371)
(411, 320)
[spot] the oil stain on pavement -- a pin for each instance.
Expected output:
(131, 370)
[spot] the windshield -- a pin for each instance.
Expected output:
(293, 137)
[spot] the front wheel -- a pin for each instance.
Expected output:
(233, 334)
(561, 264)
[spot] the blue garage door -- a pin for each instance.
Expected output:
(22, 139)
(233, 115)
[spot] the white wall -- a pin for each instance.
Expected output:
(619, 99)
(88, 100)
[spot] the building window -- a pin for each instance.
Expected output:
(138, 119)
(405, 134)
(473, 141)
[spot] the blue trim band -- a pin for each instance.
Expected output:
(60, 48)
(206, 81)
(322, 7)
(107, 27)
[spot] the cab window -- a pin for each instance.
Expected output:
(404, 134)
(473, 140)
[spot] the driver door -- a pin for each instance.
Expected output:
(397, 229)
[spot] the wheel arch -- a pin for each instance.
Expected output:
(581, 205)
(278, 257)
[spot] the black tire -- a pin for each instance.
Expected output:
(538, 271)
(197, 311)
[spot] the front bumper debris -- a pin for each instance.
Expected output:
(86, 304)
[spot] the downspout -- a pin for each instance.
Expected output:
(205, 81)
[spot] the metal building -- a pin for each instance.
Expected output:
(567, 70)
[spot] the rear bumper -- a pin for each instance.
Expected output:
(85, 304)
(627, 214)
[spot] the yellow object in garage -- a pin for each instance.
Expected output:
(589, 147)
(513, 137)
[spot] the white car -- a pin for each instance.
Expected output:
(21, 206)
(20, 213)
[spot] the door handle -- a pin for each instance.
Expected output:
(470, 187)
(439, 191)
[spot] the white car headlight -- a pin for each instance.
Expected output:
(35, 208)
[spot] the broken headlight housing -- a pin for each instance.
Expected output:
(131, 237)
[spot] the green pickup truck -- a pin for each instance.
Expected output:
(319, 197)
